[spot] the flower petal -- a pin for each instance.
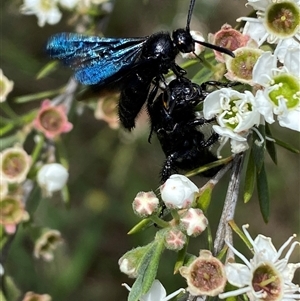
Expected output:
(238, 274)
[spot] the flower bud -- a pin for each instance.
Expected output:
(52, 177)
(205, 275)
(129, 262)
(178, 192)
(145, 203)
(174, 239)
(193, 221)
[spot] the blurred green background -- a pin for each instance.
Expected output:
(108, 168)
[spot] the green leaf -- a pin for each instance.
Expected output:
(270, 145)
(147, 269)
(181, 255)
(240, 233)
(249, 178)
(37, 96)
(208, 166)
(263, 193)
(12, 292)
(204, 198)
(287, 146)
(46, 70)
(142, 225)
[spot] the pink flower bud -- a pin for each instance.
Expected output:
(193, 221)
(145, 203)
(174, 239)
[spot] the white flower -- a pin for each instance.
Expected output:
(52, 177)
(6, 86)
(157, 292)
(276, 21)
(45, 10)
(178, 192)
(235, 114)
(266, 276)
(281, 93)
(69, 4)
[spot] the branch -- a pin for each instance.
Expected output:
(224, 232)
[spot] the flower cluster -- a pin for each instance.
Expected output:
(273, 76)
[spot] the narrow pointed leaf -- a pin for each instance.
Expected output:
(204, 198)
(46, 70)
(249, 178)
(37, 96)
(270, 145)
(142, 225)
(263, 194)
(287, 146)
(180, 258)
(240, 233)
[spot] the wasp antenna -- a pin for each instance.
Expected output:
(189, 17)
(215, 47)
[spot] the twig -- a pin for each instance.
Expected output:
(224, 232)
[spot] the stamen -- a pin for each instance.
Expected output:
(237, 253)
(237, 292)
(262, 140)
(284, 246)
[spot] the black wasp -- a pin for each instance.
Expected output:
(178, 127)
(126, 64)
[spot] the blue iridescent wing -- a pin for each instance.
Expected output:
(96, 60)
